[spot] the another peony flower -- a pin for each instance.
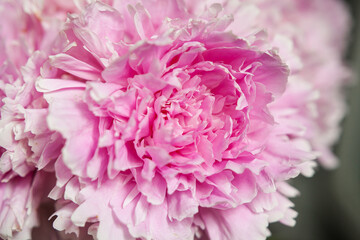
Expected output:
(26, 144)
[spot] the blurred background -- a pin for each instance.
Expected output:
(329, 204)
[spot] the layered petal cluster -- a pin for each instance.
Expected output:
(314, 94)
(20, 199)
(164, 119)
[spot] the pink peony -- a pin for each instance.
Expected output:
(167, 120)
(164, 119)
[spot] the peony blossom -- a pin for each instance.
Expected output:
(165, 119)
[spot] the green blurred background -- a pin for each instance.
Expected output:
(329, 204)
